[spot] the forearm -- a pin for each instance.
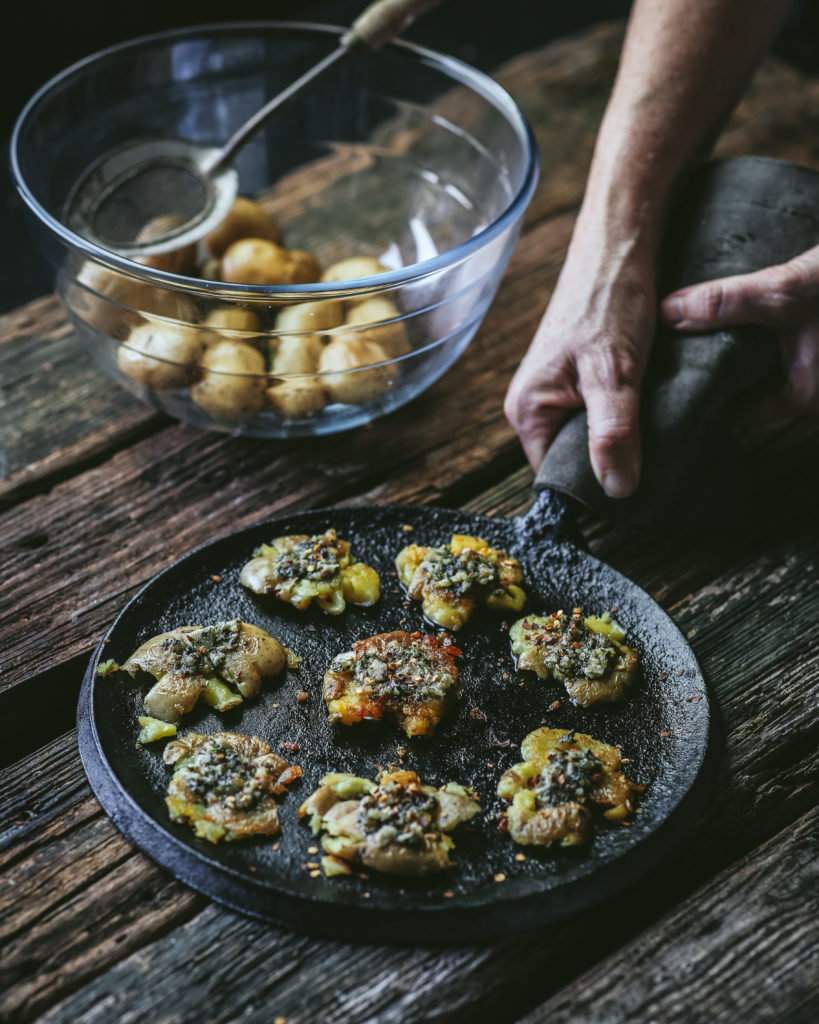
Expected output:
(683, 67)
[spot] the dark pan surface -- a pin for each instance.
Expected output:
(663, 730)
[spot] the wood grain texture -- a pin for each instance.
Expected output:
(764, 910)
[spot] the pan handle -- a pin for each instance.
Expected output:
(734, 216)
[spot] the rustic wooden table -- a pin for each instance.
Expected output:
(100, 492)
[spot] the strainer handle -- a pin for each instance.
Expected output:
(376, 26)
(383, 20)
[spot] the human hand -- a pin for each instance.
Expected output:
(591, 349)
(784, 297)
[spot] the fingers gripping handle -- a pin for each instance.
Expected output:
(734, 216)
(383, 21)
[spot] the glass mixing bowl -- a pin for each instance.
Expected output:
(406, 157)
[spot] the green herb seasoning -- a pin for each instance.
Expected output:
(215, 772)
(567, 777)
(394, 813)
(205, 654)
(401, 671)
(462, 573)
(316, 559)
(569, 648)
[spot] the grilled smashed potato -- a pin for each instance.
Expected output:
(410, 676)
(224, 785)
(451, 580)
(551, 792)
(301, 569)
(221, 663)
(587, 656)
(395, 825)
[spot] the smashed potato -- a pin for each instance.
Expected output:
(224, 785)
(451, 580)
(587, 656)
(223, 663)
(551, 792)
(301, 569)
(410, 676)
(394, 825)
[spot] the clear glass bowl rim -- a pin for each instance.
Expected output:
(453, 68)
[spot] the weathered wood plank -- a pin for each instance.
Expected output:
(772, 729)
(745, 948)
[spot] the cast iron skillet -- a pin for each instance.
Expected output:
(736, 216)
(663, 730)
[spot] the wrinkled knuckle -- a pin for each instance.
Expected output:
(612, 435)
(610, 364)
(712, 301)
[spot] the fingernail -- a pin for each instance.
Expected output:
(674, 309)
(618, 483)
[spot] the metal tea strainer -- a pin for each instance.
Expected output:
(150, 196)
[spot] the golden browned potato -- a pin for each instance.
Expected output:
(161, 355)
(587, 656)
(178, 261)
(300, 569)
(224, 662)
(550, 794)
(395, 825)
(451, 580)
(375, 314)
(245, 220)
(352, 376)
(409, 676)
(352, 268)
(224, 785)
(234, 381)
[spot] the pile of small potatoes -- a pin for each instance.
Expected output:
(229, 366)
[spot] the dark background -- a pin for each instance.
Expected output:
(38, 41)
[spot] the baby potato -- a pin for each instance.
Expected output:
(160, 355)
(392, 337)
(258, 261)
(349, 352)
(227, 391)
(355, 266)
(298, 398)
(302, 268)
(178, 261)
(245, 220)
(232, 318)
(310, 316)
(298, 353)
(112, 302)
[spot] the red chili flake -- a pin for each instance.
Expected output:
(290, 747)
(503, 825)
(310, 627)
(216, 579)
(693, 700)
(665, 733)
(363, 876)
(477, 714)
(448, 894)
(554, 705)
(505, 675)
(252, 868)
(614, 608)
(396, 590)
(663, 676)
(19, 823)
(107, 640)
(301, 695)
(680, 671)
(416, 635)
(276, 846)
(379, 767)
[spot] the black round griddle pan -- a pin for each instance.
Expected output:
(664, 728)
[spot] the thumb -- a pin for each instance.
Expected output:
(763, 297)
